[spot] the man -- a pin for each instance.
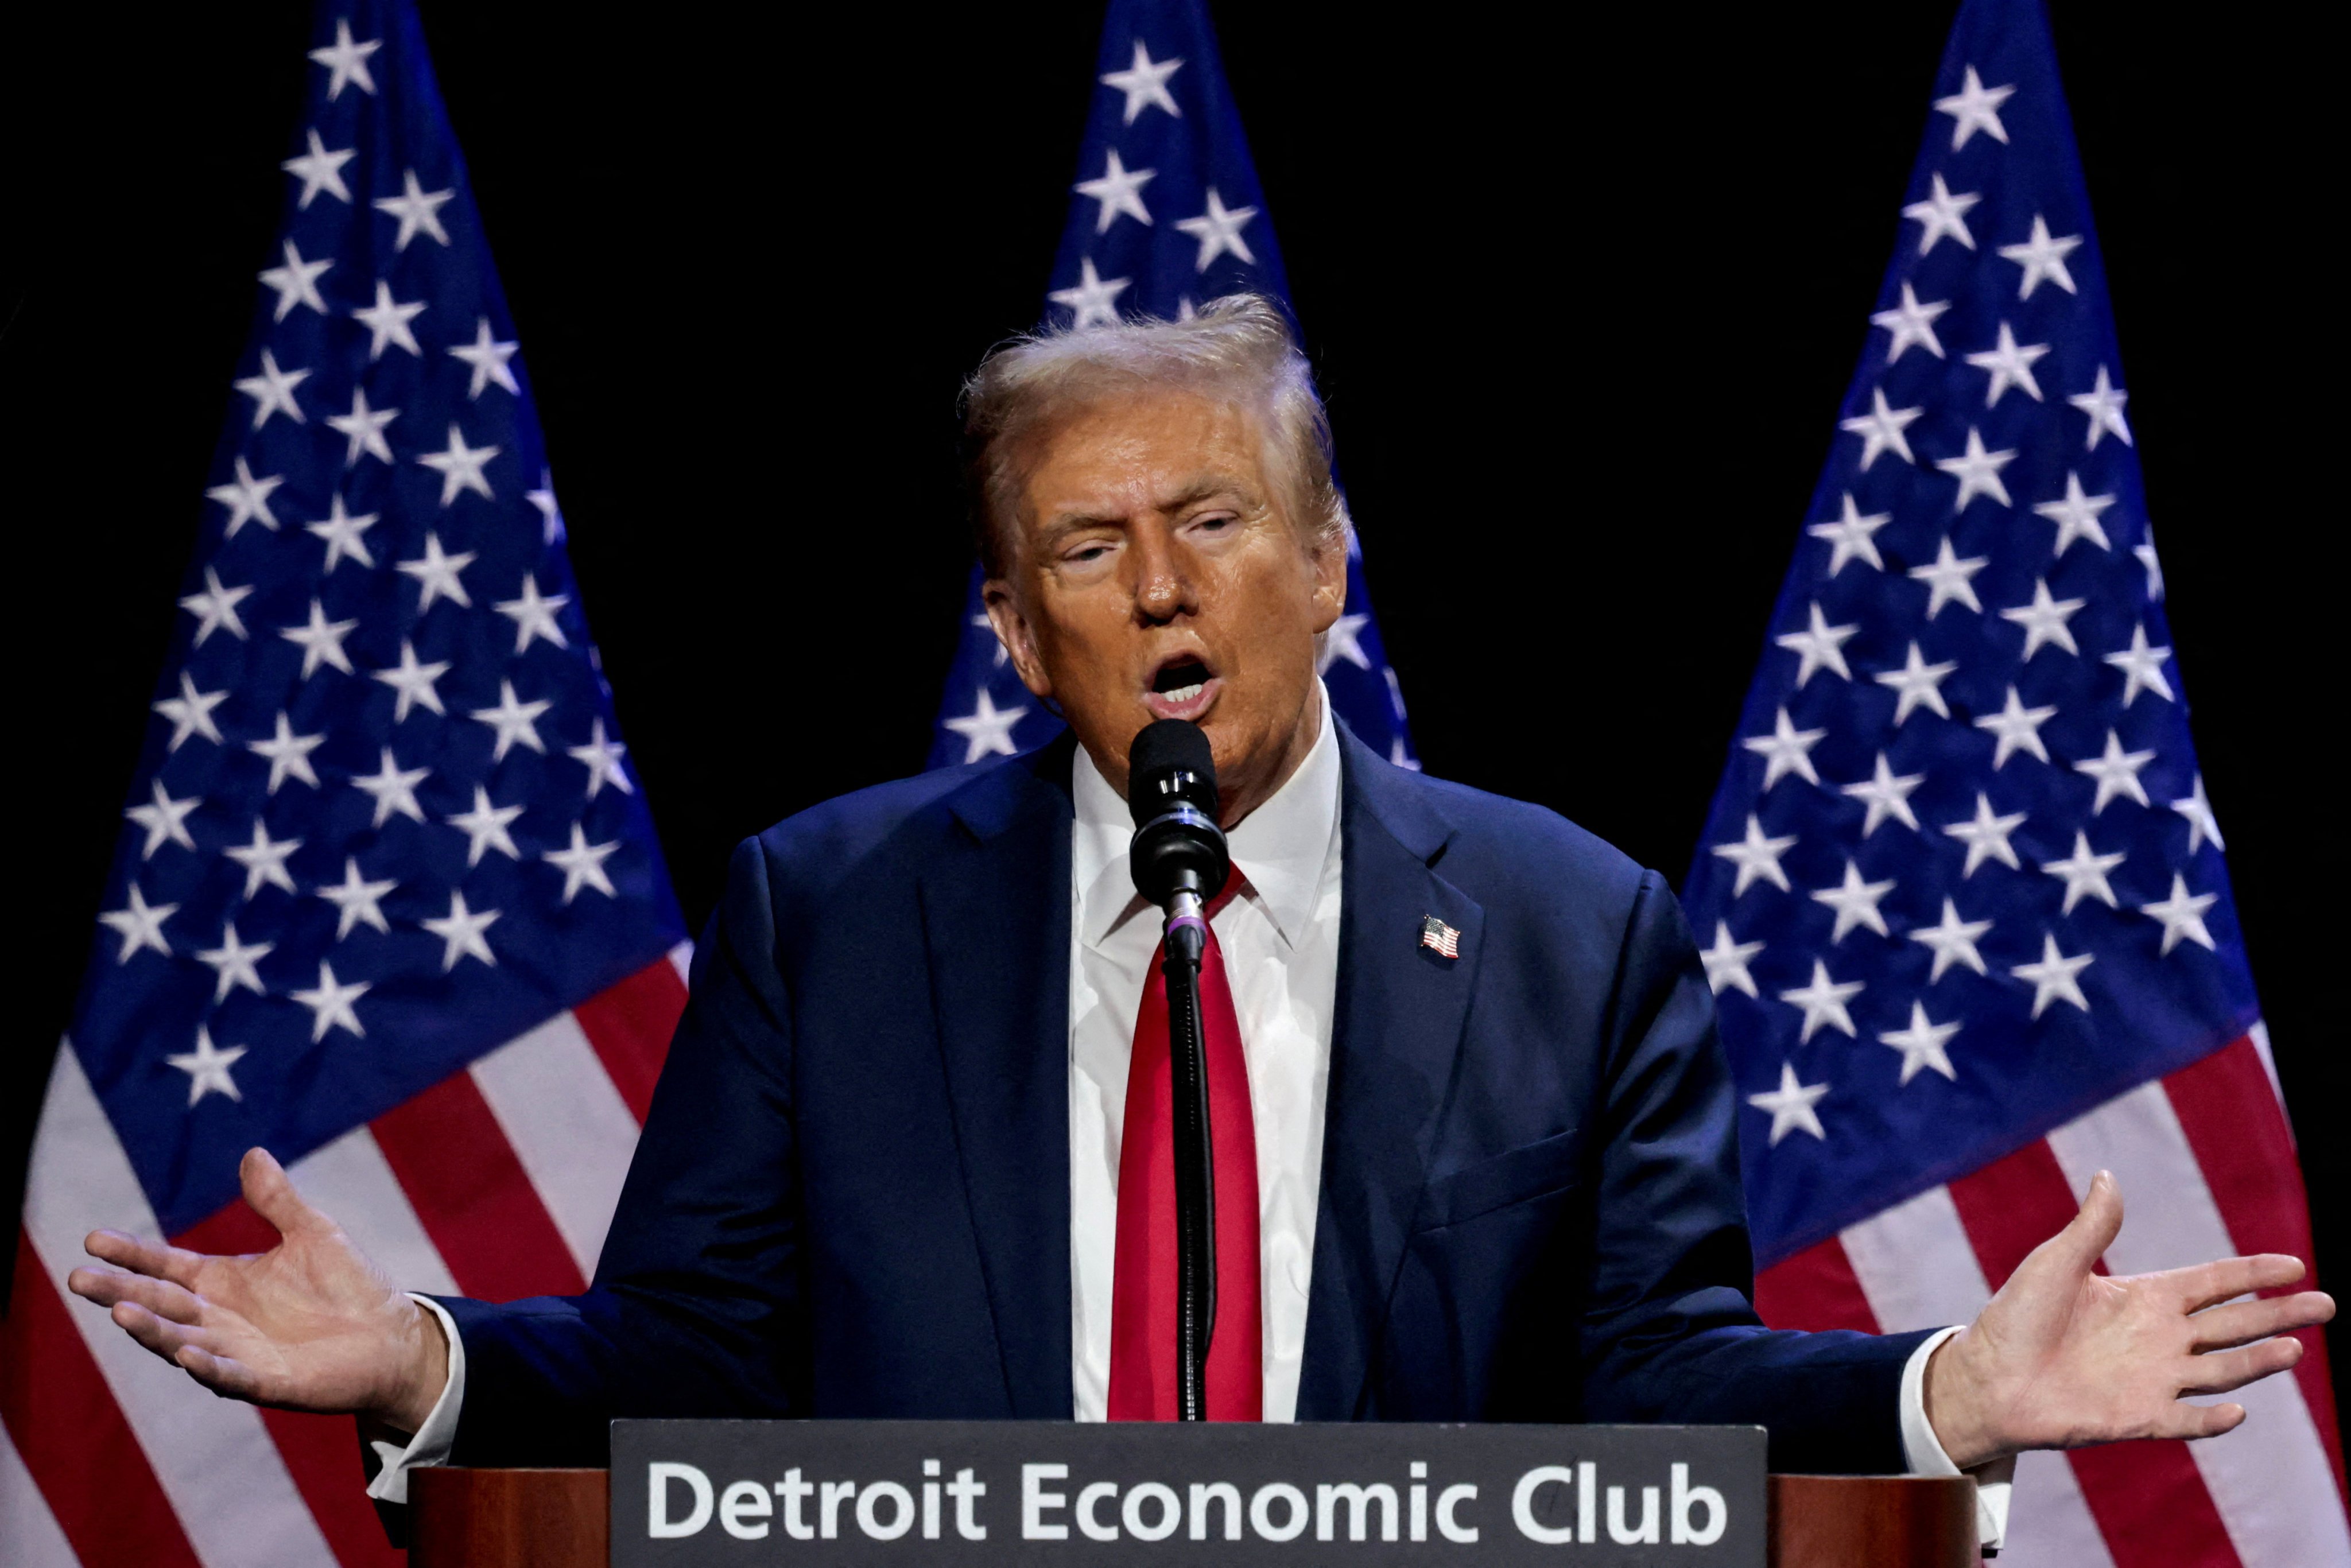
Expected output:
(1491, 1129)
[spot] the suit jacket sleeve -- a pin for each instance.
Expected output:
(1668, 1333)
(697, 1306)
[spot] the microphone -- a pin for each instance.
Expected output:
(1179, 862)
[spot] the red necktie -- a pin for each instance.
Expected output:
(1142, 1285)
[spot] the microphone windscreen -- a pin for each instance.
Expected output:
(1170, 759)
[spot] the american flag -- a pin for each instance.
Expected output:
(1167, 214)
(387, 899)
(1961, 895)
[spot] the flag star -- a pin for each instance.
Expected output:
(1398, 756)
(2056, 977)
(347, 61)
(582, 864)
(460, 467)
(2147, 557)
(1886, 796)
(1974, 107)
(321, 641)
(1791, 1105)
(1911, 325)
(1952, 940)
(1856, 903)
(2084, 873)
(1726, 962)
(2009, 363)
(2202, 823)
(987, 730)
(2043, 257)
(1922, 1043)
(1757, 856)
(515, 720)
(215, 608)
(2116, 772)
(1218, 230)
(264, 860)
(2045, 620)
(2017, 728)
(1819, 646)
(330, 1003)
(233, 964)
(207, 1068)
(486, 826)
(488, 358)
(1344, 641)
(1949, 577)
(1850, 537)
(2076, 515)
(416, 208)
(414, 682)
(191, 713)
(297, 282)
(1986, 835)
(1978, 471)
(461, 931)
(1785, 750)
(341, 531)
(2142, 668)
(602, 757)
(166, 820)
(364, 427)
(140, 925)
(1916, 684)
(1094, 300)
(288, 755)
(985, 625)
(2183, 915)
(1120, 190)
(1823, 1002)
(1881, 429)
(272, 390)
(534, 615)
(319, 170)
(1942, 214)
(1146, 83)
(2103, 403)
(550, 515)
(356, 901)
(246, 498)
(436, 575)
(393, 790)
(387, 322)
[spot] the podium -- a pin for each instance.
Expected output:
(560, 1519)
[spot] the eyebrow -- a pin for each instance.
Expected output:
(1198, 490)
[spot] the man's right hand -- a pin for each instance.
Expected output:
(310, 1324)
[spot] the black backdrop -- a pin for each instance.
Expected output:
(1583, 299)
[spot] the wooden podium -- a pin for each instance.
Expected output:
(560, 1518)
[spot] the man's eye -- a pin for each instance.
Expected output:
(1086, 553)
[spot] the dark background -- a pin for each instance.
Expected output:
(1584, 298)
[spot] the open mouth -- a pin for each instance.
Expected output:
(1183, 687)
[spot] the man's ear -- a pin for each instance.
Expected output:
(1329, 556)
(1013, 630)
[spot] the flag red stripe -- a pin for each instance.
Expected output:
(473, 1197)
(73, 1437)
(1815, 1289)
(630, 1025)
(2149, 1498)
(2229, 1112)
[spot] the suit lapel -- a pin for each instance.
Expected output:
(1396, 1030)
(995, 919)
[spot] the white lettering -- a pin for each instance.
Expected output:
(1216, 1491)
(930, 1502)
(1684, 1497)
(791, 1489)
(1522, 1504)
(1171, 1512)
(1293, 1501)
(901, 1510)
(1647, 1535)
(658, 1523)
(966, 1491)
(1419, 1529)
(831, 1495)
(1088, 1525)
(742, 1503)
(1035, 1499)
(1588, 1500)
(1358, 1499)
(1449, 1500)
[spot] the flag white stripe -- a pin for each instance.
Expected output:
(81, 1179)
(2170, 1221)
(29, 1536)
(352, 1184)
(569, 1127)
(2049, 1524)
(681, 958)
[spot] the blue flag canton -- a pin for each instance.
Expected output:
(384, 821)
(1167, 214)
(1962, 882)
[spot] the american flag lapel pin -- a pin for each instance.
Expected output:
(1439, 937)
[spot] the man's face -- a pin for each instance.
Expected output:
(1157, 573)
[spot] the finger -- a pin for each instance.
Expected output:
(2242, 1322)
(2208, 1284)
(271, 1193)
(2226, 1369)
(148, 1258)
(2093, 1230)
(220, 1373)
(2194, 1421)
(164, 1337)
(109, 1286)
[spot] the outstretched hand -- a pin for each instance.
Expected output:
(310, 1324)
(2063, 1356)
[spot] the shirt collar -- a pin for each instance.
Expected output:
(1283, 847)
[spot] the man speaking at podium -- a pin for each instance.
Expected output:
(902, 1162)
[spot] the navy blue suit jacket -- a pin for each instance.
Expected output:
(852, 1194)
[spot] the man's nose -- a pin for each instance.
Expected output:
(1163, 587)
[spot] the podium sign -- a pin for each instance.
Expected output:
(989, 1492)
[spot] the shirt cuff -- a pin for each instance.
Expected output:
(1923, 1451)
(433, 1441)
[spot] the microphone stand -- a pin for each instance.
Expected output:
(1185, 939)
